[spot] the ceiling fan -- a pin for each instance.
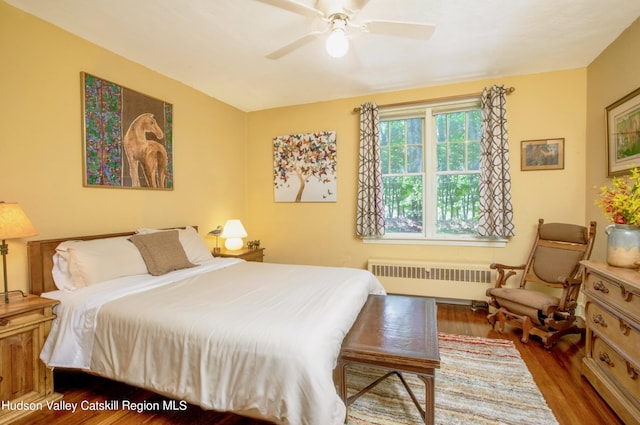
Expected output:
(339, 16)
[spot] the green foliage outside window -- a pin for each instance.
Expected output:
(403, 147)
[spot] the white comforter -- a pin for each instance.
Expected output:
(256, 338)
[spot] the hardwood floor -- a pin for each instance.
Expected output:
(556, 372)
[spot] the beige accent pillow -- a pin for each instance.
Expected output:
(162, 252)
(195, 248)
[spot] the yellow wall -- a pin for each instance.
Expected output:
(611, 76)
(550, 105)
(41, 142)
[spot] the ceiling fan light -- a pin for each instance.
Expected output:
(337, 43)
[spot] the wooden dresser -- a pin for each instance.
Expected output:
(612, 351)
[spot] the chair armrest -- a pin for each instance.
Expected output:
(570, 291)
(569, 281)
(502, 276)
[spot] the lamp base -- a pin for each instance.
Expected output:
(233, 244)
(13, 291)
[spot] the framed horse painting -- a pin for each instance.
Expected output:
(127, 136)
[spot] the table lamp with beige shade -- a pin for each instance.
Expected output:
(14, 224)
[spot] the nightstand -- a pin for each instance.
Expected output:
(25, 323)
(244, 253)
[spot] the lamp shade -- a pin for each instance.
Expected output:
(14, 223)
(234, 232)
(337, 44)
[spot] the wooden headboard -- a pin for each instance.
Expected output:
(40, 256)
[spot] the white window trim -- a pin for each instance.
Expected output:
(428, 111)
(459, 240)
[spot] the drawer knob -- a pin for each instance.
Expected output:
(633, 373)
(624, 328)
(4, 322)
(599, 320)
(604, 357)
(626, 295)
(599, 286)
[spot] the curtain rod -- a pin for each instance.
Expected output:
(509, 90)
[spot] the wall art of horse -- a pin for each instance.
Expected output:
(150, 154)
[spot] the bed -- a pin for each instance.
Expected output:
(258, 339)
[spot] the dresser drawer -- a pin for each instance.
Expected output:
(11, 323)
(613, 327)
(622, 372)
(615, 293)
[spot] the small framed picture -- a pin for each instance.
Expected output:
(544, 154)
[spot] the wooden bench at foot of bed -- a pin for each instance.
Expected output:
(396, 333)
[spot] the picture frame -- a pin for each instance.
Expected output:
(127, 137)
(304, 167)
(622, 133)
(542, 154)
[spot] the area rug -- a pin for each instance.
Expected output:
(481, 381)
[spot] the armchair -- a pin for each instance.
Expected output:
(554, 262)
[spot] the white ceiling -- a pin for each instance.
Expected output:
(219, 46)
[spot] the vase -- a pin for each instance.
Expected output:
(623, 245)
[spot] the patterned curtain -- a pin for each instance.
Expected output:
(370, 212)
(496, 212)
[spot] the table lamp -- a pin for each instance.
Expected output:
(14, 224)
(234, 232)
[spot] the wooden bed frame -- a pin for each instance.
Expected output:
(40, 257)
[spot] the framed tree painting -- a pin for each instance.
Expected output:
(623, 134)
(127, 137)
(304, 167)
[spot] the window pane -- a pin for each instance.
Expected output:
(475, 124)
(441, 127)
(397, 160)
(403, 204)
(414, 131)
(456, 156)
(457, 121)
(457, 204)
(384, 159)
(441, 152)
(414, 159)
(397, 133)
(383, 129)
(473, 152)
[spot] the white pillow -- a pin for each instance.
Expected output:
(98, 260)
(196, 249)
(61, 273)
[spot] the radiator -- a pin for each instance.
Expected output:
(458, 282)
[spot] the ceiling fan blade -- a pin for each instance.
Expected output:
(295, 7)
(283, 51)
(400, 29)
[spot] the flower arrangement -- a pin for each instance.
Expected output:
(620, 203)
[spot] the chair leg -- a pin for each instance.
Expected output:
(527, 325)
(491, 318)
(502, 319)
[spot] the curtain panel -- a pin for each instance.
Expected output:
(496, 211)
(370, 209)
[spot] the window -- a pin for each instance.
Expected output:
(431, 170)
